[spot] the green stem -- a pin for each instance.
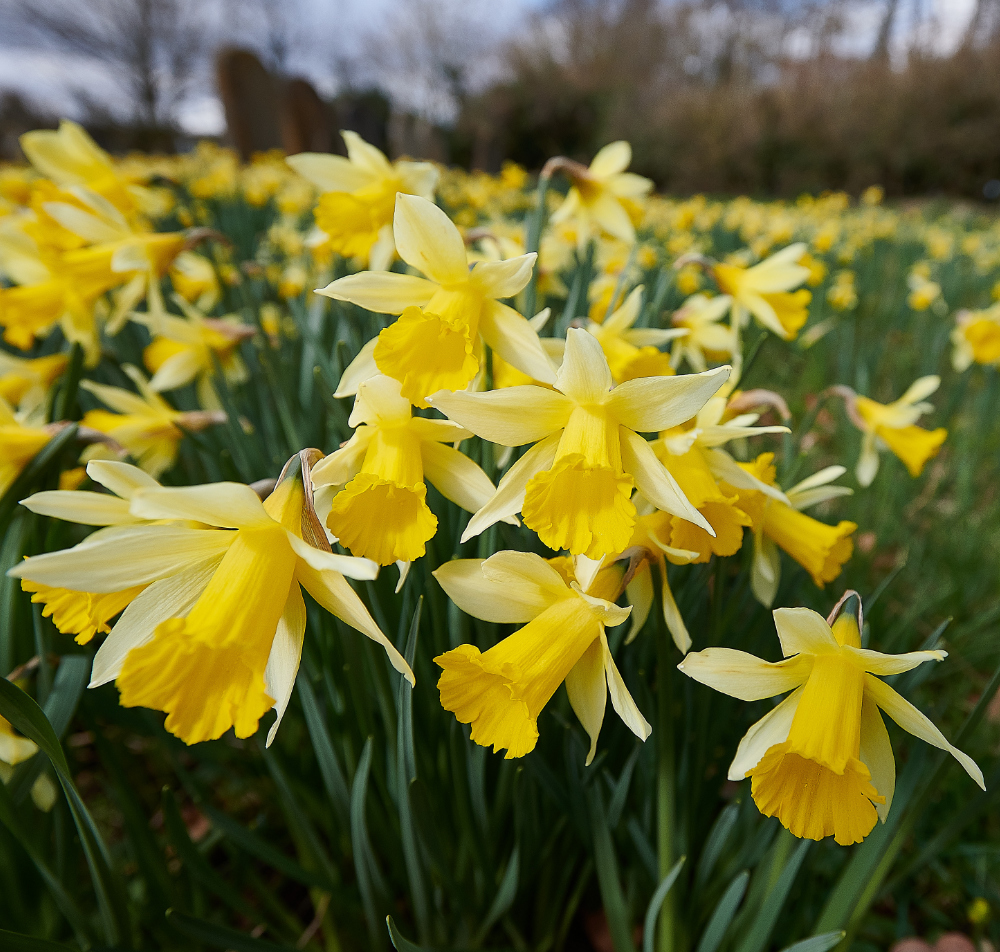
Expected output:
(666, 790)
(532, 240)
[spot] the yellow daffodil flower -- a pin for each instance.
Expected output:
(380, 508)
(821, 761)
(633, 352)
(820, 549)
(501, 692)
(574, 486)
(602, 195)
(706, 339)
(14, 748)
(20, 443)
(893, 426)
(184, 349)
(85, 614)
(26, 382)
(766, 291)
(215, 638)
(355, 209)
(976, 338)
(436, 341)
(144, 423)
(195, 280)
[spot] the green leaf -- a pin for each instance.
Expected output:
(399, 942)
(715, 843)
(817, 943)
(364, 857)
(326, 757)
(723, 914)
(656, 903)
(504, 898)
(608, 879)
(760, 931)
(220, 937)
(405, 773)
(15, 942)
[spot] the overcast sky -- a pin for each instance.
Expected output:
(328, 33)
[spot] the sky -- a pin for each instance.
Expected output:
(327, 32)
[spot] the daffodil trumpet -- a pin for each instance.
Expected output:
(821, 761)
(215, 636)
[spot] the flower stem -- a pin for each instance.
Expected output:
(666, 791)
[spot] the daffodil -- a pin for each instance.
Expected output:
(215, 638)
(766, 291)
(355, 209)
(564, 611)
(143, 423)
(821, 761)
(602, 194)
(633, 352)
(185, 349)
(976, 338)
(85, 614)
(706, 339)
(893, 426)
(379, 476)
(195, 280)
(20, 443)
(574, 487)
(26, 381)
(435, 344)
(819, 548)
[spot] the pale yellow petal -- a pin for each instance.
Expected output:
(639, 593)
(427, 239)
(743, 675)
(333, 593)
(383, 292)
(512, 416)
(803, 631)
(515, 340)
(652, 404)
(86, 508)
(509, 497)
(503, 279)
(621, 700)
(584, 375)
(771, 729)
(588, 693)
(123, 479)
(358, 370)
(911, 720)
(876, 755)
(322, 561)
(456, 476)
(226, 505)
(876, 663)
(286, 652)
(329, 173)
(611, 159)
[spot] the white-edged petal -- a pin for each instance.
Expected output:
(171, 597)
(286, 652)
(588, 693)
(771, 729)
(509, 497)
(744, 675)
(911, 720)
(803, 631)
(652, 404)
(512, 416)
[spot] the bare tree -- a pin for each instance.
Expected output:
(153, 47)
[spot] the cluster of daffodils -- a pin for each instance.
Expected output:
(617, 435)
